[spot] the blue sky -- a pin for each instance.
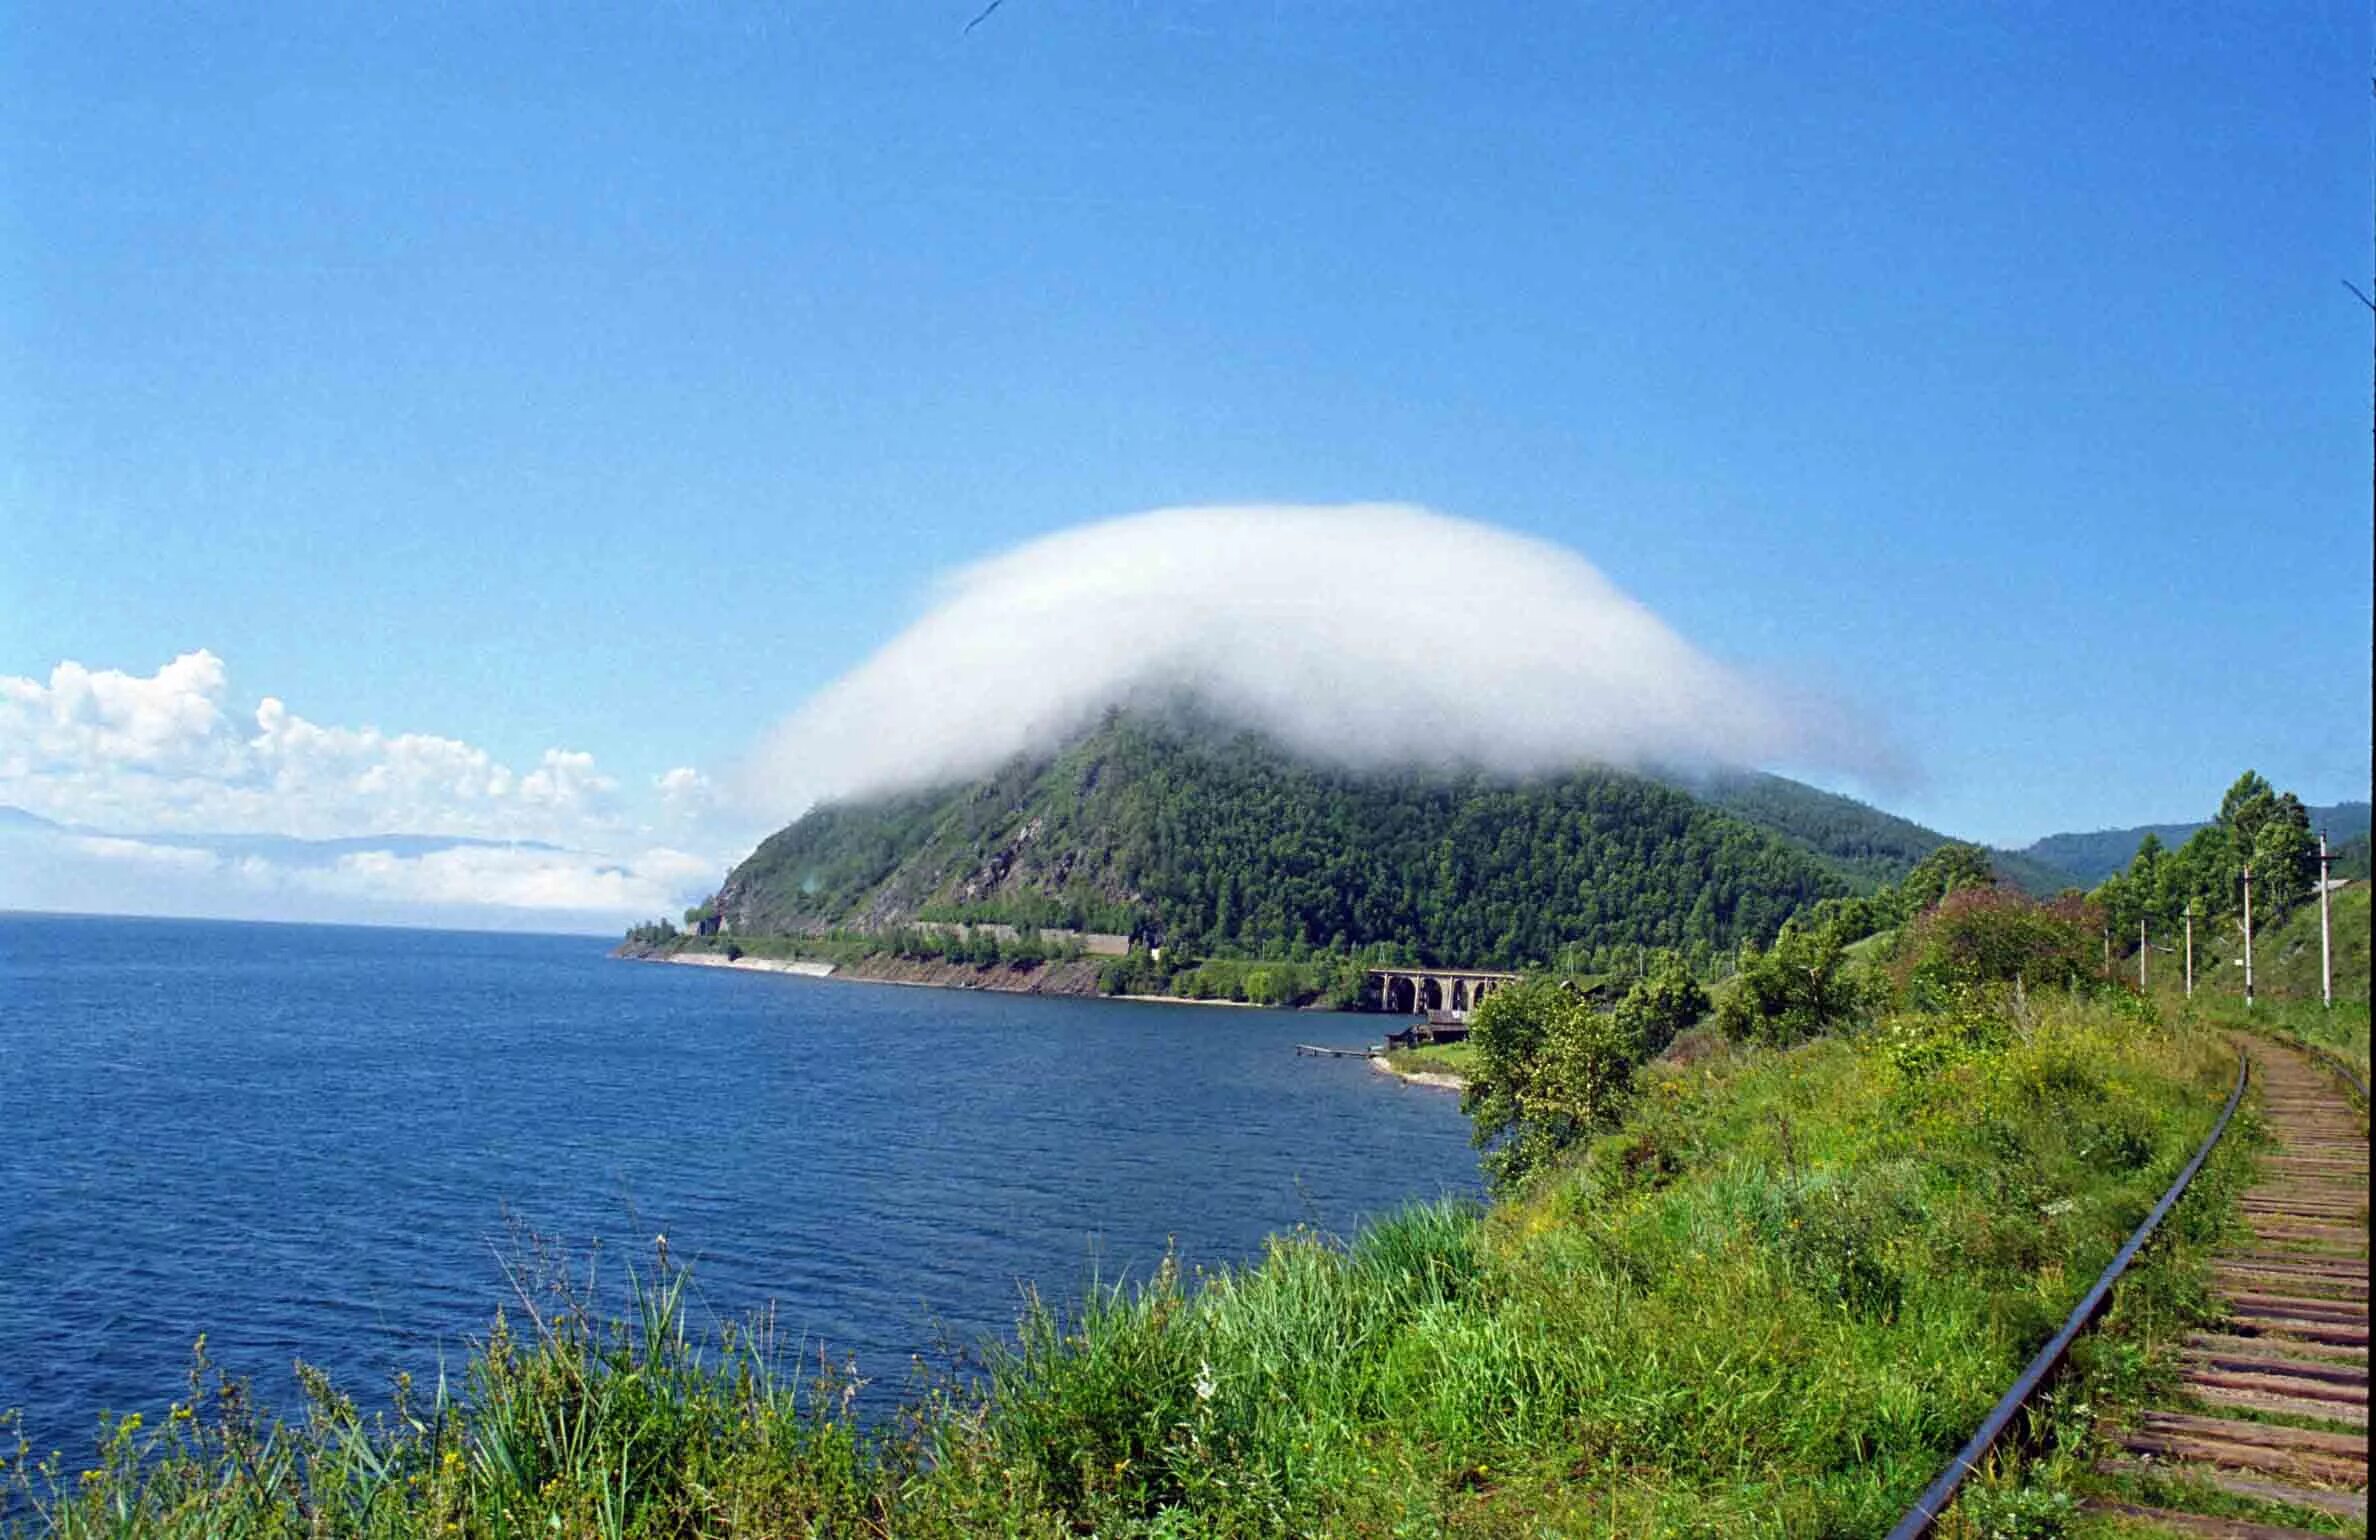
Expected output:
(611, 379)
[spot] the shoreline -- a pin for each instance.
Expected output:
(1235, 1005)
(996, 979)
(1071, 978)
(1433, 1079)
(806, 970)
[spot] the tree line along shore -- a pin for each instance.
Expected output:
(2193, 891)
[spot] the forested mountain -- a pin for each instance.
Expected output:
(1219, 841)
(1867, 845)
(2092, 857)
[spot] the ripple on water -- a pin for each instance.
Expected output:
(315, 1142)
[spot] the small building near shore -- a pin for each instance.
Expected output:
(1439, 1027)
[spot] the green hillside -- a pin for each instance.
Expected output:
(2090, 858)
(2285, 955)
(1866, 845)
(1219, 841)
(2286, 978)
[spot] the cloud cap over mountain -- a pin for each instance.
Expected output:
(1364, 634)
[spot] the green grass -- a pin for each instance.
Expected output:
(2286, 979)
(1771, 1304)
(1435, 1059)
(1873, 948)
(2286, 958)
(2341, 1031)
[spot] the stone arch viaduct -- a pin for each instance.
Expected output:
(1419, 991)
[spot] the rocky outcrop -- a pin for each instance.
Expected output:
(1077, 977)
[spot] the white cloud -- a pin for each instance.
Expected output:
(683, 787)
(347, 778)
(565, 782)
(109, 847)
(459, 884)
(103, 747)
(658, 882)
(171, 720)
(1363, 634)
(179, 804)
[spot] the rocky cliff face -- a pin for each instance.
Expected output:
(1075, 978)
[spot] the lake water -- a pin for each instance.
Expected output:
(316, 1142)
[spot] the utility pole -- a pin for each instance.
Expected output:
(2248, 935)
(2326, 943)
(2142, 949)
(2190, 949)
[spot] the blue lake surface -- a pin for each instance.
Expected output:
(316, 1142)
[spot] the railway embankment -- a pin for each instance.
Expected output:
(2256, 1426)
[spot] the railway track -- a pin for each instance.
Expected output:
(2273, 1406)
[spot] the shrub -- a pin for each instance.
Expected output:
(1921, 1044)
(1665, 1001)
(1952, 868)
(1791, 993)
(1837, 1239)
(2019, 1513)
(1274, 986)
(1982, 936)
(1551, 1073)
(1345, 983)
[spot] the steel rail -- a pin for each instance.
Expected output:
(2335, 1063)
(2341, 1066)
(1941, 1493)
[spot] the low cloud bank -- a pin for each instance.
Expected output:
(164, 751)
(151, 794)
(412, 881)
(1363, 635)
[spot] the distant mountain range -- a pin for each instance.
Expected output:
(281, 849)
(2088, 859)
(435, 880)
(1863, 843)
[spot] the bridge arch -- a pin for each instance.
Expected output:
(1416, 991)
